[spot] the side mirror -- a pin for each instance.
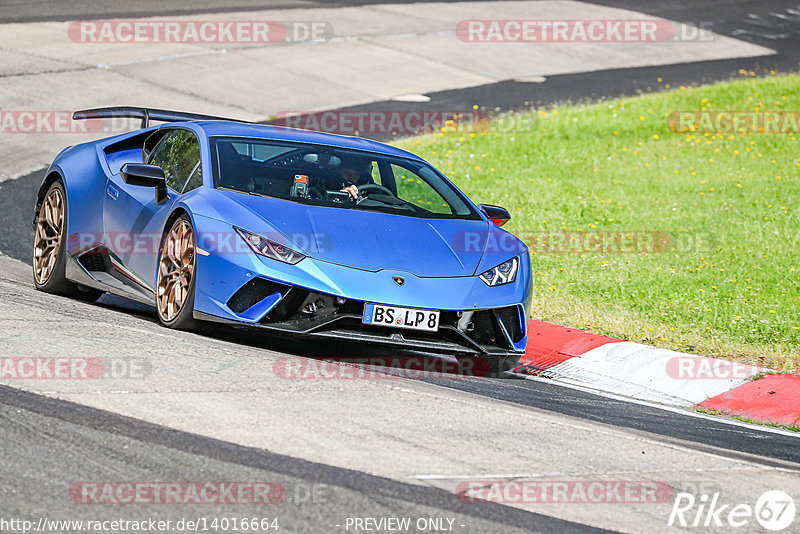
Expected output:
(498, 215)
(146, 176)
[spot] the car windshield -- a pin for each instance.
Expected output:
(336, 177)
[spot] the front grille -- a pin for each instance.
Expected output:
(301, 310)
(445, 334)
(487, 330)
(482, 327)
(288, 307)
(304, 305)
(254, 292)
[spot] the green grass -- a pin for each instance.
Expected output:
(793, 428)
(729, 285)
(749, 420)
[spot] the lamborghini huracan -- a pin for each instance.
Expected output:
(295, 232)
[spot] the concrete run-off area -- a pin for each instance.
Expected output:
(320, 59)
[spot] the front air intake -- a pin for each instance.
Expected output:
(254, 292)
(510, 318)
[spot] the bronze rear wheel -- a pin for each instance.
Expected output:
(47, 243)
(176, 275)
(49, 247)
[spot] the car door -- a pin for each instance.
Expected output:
(132, 219)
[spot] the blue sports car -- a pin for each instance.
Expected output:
(291, 231)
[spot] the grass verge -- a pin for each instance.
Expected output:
(684, 240)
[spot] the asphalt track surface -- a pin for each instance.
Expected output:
(67, 442)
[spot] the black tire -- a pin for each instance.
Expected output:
(55, 281)
(184, 319)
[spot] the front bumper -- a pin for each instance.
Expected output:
(320, 299)
(489, 338)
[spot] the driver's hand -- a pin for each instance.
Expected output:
(352, 190)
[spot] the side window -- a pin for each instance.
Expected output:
(179, 155)
(375, 172)
(195, 180)
(412, 188)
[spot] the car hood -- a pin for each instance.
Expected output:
(362, 239)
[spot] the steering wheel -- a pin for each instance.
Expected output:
(367, 188)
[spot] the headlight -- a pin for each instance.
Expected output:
(271, 249)
(505, 273)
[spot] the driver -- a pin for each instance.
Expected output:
(353, 172)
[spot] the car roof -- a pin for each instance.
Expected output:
(281, 133)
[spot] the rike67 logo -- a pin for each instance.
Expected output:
(774, 510)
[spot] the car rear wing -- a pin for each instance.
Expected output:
(146, 114)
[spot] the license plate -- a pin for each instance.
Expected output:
(394, 316)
